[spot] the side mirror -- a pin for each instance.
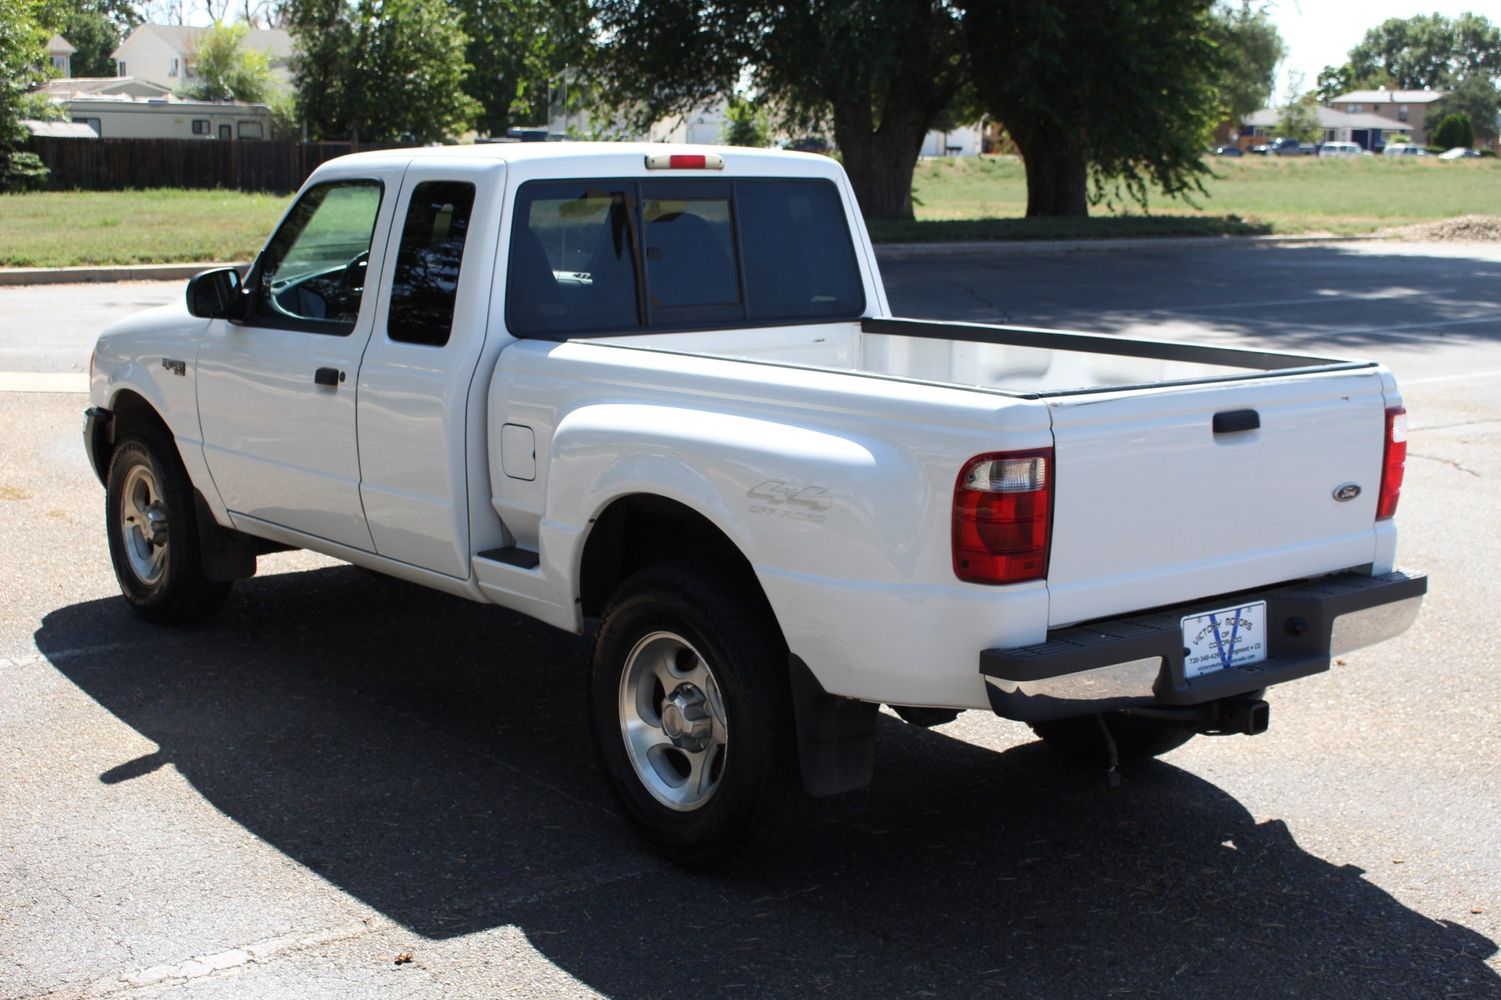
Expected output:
(216, 294)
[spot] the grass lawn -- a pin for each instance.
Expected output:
(65, 228)
(956, 199)
(985, 198)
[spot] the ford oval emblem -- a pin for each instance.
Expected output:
(1347, 492)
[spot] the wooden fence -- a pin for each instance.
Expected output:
(246, 165)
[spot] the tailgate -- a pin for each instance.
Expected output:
(1153, 507)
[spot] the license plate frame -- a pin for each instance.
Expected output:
(1224, 639)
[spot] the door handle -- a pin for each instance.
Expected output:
(1235, 421)
(328, 376)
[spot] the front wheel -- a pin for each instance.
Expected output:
(153, 533)
(691, 712)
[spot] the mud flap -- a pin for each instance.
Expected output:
(835, 736)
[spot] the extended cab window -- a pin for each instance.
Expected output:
(426, 281)
(573, 264)
(615, 256)
(799, 262)
(312, 274)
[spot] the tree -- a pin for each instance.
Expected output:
(1337, 80)
(879, 71)
(382, 70)
(1249, 48)
(1428, 50)
(94, 27)
(1478, 99)
(746, 124)
(1101, 99)
(516, 47)
(1454, 130)
(323, 60)
(1300, 118)
(23, 49)
(227, 70)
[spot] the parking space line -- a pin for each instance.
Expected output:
(44, 382)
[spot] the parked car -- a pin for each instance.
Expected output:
(1458, 153)
(656, 394)
(1405, 149)
(1228, 151)
(1291, 147)
(1340, 149)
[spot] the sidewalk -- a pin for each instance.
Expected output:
(10, 276)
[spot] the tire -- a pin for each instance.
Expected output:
(153, 532)
(1135, 739)
(691, 712)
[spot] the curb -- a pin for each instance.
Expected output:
(10, 276)
(1005, 248)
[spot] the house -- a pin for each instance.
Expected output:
(1404, 107)
(126, 108)
(967, 140)
(703, 126)
(167, 53)
(60, 55)
(1368, 131)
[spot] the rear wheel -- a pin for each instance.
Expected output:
(691, 711)
(1081, 739)
(153, 532)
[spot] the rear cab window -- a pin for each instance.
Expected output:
(614, 257)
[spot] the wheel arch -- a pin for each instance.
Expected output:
(633, 532)
(639, 530)
(128, 410)
(225, 554)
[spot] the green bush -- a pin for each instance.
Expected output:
(22, 172)
(1454, 130)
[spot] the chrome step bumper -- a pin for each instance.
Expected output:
(1137, 661)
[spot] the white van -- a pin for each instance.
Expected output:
(1340, 149)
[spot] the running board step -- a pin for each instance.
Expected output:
(512, 556)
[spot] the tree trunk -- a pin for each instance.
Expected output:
(880, 162)
(1057, 169)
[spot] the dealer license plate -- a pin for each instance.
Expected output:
(1220, 640)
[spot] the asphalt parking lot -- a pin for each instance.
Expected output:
(342, 770)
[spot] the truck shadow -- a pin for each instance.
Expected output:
(430, 758)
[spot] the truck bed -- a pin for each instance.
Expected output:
(1181, 470)
(1017, 361)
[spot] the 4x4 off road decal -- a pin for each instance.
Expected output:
(797, 503)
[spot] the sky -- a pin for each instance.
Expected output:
(1320, 33)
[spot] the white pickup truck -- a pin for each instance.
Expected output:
(660, 392)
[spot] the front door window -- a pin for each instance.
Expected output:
(312, 273)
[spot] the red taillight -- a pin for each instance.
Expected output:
(1003, 505)
(1393, 462)
(681, 161)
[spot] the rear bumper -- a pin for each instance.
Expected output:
(1137, 662)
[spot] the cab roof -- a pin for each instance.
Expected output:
(573, 159)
